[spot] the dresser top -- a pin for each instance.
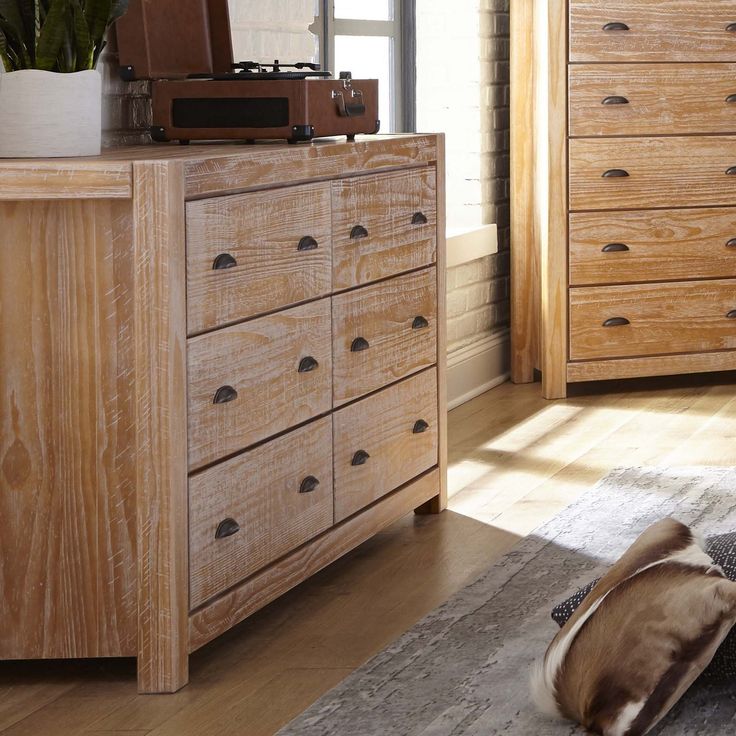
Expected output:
(212, 168)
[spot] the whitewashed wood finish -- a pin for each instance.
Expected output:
(67, 179)
(275, 580)
(382, 425)
(260, 360)
(161, 426)
(262, 231)
(675, 317)
(259, 489)
(660, 30)
(664, 245)
(384, 205)
(682, 171)
(383, 314)
(680, 99)
(67, 418)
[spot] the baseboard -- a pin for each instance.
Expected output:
(477, 368)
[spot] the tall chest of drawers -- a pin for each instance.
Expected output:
(623, 189)
(222, 368)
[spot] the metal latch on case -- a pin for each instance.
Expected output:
(352, 107)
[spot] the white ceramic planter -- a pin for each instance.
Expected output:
(48, 114)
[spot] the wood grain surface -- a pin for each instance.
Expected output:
(682, 171)
(161, 426)
(275, 580)
(675, 317)
(64, 179)
(260, 359)
(659, 30)
(672, 99)
(260, 490)
(664, 245)
(383, 204)
(67, 465)
(262, 232)
(382, 425)
(383, 314)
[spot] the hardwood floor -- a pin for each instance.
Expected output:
(515, 461)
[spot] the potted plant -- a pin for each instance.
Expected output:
(50, 92)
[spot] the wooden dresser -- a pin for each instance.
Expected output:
(623, 189)
(221, 368)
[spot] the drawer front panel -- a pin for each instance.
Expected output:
(254, 253)
(678, 317)
(279, 368)
(396, 321)
(646, 99)
(382, 442)
(250, 510)
(657, 245)
(658, 30)
(383, 225)
(662, 172)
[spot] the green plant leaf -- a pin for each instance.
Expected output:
(14, 44)
(30, 13)
(98, 15)
(10, 11)
(84, 47)
(4, 58)
(53, 34)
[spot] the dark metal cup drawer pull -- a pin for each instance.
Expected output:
(419, 218)
(615, 248)
(308, 364)
(419, 323)
(358, 232)
(360, 458)
(223, 261)
(732, 314)
(224, 395)
(731, 99)
(307, 243)
(731, 27)
(615, 174)
(226, 528)
(615, 100)
(359, 344)
(616, 27)
(616, 322)
(309, 484)
(420, 426)
(731, 243)
(731, 171)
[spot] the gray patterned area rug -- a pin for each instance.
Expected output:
(462, 670)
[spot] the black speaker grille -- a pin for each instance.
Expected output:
(231, 112)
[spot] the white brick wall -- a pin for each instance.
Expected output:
(262, 31)
(462, 89)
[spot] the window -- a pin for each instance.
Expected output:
(371, 40)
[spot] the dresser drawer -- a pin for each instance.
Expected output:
(652, 319)
(249, 381)
(254, 253)
(652, 172)
(248, 511)
(650, 99)
(382, 225)
(652, 245)
(658, 30)
(383, 332)
(384, 441)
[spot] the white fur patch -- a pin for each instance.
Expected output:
(625, 718)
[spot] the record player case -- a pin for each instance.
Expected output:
(199, 93)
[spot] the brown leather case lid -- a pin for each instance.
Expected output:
(169, 39)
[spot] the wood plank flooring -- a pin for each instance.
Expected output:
(515, 461)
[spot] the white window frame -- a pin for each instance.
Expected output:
(400, 30)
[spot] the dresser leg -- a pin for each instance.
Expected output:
(161, 423)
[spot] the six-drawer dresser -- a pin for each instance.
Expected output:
(221, 368)
(623, 189)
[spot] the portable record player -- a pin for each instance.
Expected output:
(199, 93)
